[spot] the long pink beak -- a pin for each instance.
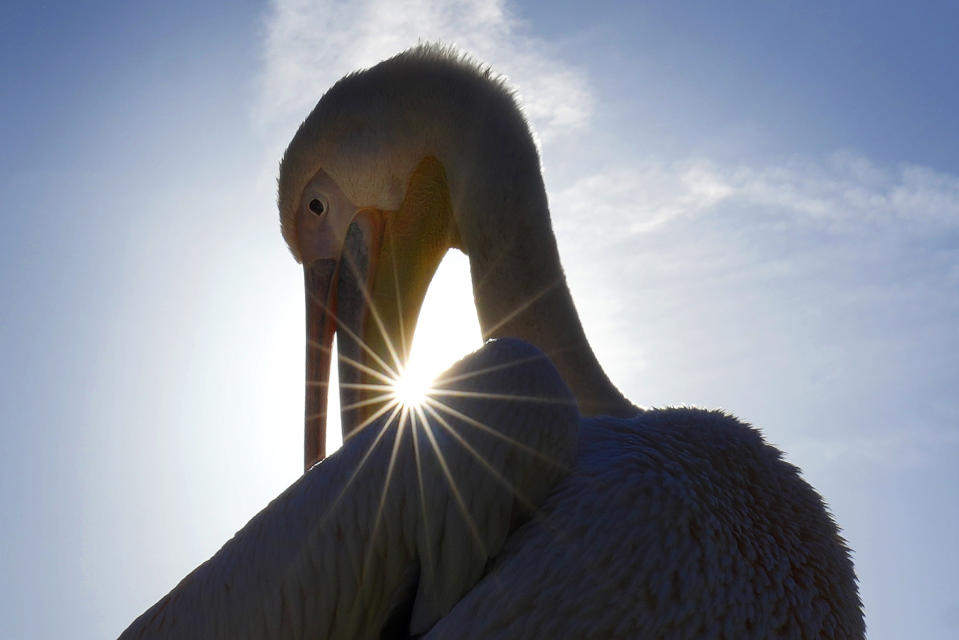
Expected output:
(337, 301)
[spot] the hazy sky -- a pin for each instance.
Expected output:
(757, 208)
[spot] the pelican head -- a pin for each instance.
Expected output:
(397, 164)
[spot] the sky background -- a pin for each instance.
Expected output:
(757, 207)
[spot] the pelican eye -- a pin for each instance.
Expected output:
(317, 206)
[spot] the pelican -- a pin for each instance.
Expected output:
(645, 523)
(675, 522)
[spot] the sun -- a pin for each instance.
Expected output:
(412, 387)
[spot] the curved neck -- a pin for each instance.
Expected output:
(522, 292)
(519, 286)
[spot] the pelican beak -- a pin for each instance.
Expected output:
(337, 299)
(365, 281)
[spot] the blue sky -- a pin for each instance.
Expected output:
(757, 208)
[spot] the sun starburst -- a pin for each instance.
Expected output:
(412, 387)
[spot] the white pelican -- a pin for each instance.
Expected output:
(669, 523)
(672, 523)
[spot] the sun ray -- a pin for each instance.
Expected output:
(359, 467)
(491, 266)
(476, 454)
(374, 312)
(501, 396)
(431, 565)
(444, 379)
(557, 533)
(495, 433)
(526, 502)
(387, 370)
(454, 488)
(397, 442)
(496, 367)
(386, 397)
(366, 386)
(351, 385)
(349, 332)
(362, 367)
(492, 329)
(370, 420)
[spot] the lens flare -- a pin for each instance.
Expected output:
(412, 387)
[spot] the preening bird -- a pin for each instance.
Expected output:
(673, 523)
(664, 523)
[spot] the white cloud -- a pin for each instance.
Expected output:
(310, 45)
(647, 196)
(696, 280)
(843, 193)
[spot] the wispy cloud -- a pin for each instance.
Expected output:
(310, 45)
(842, 193)
(696, 278)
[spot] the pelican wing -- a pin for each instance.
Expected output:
(411, 507)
